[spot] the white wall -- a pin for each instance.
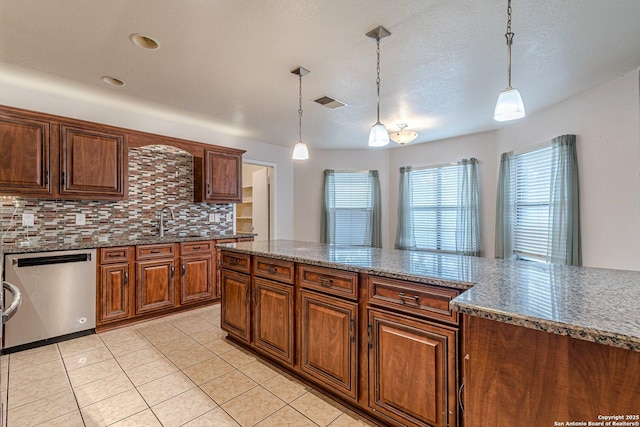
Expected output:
(33, 91)
(606, 121)
(308, 187)
(481, 146)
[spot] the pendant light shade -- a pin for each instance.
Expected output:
(509, 105)
(378, 136)
(300, 151)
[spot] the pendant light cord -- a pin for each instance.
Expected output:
(378, 78)
(509, 35)
(300, 110)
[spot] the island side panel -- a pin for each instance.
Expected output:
(521, 376)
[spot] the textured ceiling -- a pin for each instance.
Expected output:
(230, 61)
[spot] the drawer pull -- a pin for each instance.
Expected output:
(111, 255)
(233, 261)
(155, 251)
(272, 269)
(195, 248)
(412, 299)
(327, 283)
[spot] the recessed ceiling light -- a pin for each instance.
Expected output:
(113, 81)
(144, 42)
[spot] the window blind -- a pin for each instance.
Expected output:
(531, 189)
(351, 209)
(434, 206)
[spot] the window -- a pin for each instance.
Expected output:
(538, 210)
(531, 222)
(438, 209)
(351, 211)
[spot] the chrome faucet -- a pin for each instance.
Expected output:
(166, 208)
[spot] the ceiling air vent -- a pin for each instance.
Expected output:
(329, 102)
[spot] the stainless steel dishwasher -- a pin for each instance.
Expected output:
(58, 297)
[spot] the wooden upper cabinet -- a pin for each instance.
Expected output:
(218, 177)
(93, 163)
(24, 163)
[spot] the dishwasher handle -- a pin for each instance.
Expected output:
(17, 300)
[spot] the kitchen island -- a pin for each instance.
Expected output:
(534, 344)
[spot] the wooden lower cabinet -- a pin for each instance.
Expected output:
(196, 278)
(328, 341)
(155, 285)
(113, 292)
(236, 308)
(412, 370)
(273, 319)
(525, 377)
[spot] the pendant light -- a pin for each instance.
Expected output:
(378, 137)
(404, 135)
(509, 105)
(300, 151)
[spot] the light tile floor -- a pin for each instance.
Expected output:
(173, 371)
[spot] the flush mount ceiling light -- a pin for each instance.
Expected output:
(144, 42)
(404, 135)
(300, 151)
(378, 137)
(509, 105)
(112, 81)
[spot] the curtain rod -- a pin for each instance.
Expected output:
(441, 165)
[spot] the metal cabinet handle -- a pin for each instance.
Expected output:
(351, 334)
(17, 300)
(195, 248)
(126, 278)
(155, 251)
(246, 294)
(369, 336)
(173, 271)
(63, 179)
(460, 397)
(255, 298)
(415, 299)
(46, 177)
(327, 283)
(272, 269)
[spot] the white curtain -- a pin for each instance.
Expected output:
(564, 246)
(405, 237)
(504, 208)
(468, 216)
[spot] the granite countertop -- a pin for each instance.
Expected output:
(592, 304)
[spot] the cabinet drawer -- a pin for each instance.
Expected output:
(416, 298)
(235, 261)
(274, 269)
(114, 255)
(195, 247)
(329, 280)
(155, 251)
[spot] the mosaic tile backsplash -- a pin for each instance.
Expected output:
(159, 176)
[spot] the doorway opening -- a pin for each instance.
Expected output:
(255, 213)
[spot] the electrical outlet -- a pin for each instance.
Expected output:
(80, 219)
(212, 217)
(28, 220)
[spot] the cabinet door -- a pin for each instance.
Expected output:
(235, 306)
(114, 292)
(155, 285)
(328, 351)
(273, 319)
(93, 163)
(24, 163)
(412, 370)
(223, 177)
(196, 276)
